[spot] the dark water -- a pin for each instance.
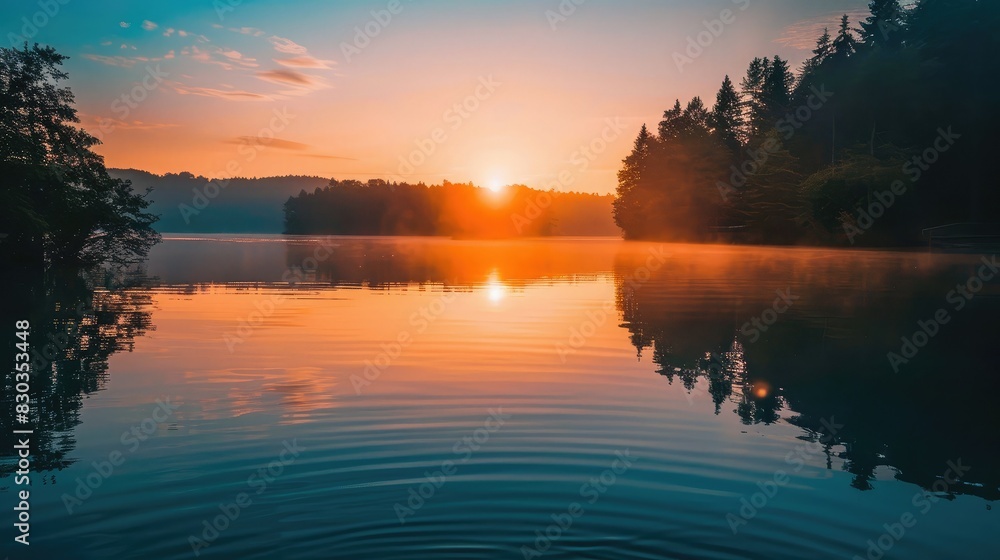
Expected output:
(577, 399)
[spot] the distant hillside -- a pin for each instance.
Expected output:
(188, 203)
(185, 204)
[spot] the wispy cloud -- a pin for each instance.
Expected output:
(148, 25)
(287, 77)
(270, 142)
(803, 35)
(94, 121)
(233, 94)
(305, 61)
(225, 58)
(169, 32)
(286, 46)
(252, 31)
(121, 61)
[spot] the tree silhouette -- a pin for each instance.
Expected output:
(60, 204)
(856, 119)
(881, 28)
(727, 117)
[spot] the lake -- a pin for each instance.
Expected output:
(269, 397)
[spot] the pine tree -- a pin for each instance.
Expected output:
(672, 126)
(628, 205)
(824, 48)
(882, 28)
(845, 45)
(754, 107)
(777, 90)
(811, 67)
(727, 117)
(696, 118)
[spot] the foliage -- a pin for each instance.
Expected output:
(61, 206)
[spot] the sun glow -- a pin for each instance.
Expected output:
(496, 185)
(496, 291)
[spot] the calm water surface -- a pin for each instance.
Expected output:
(573, 398)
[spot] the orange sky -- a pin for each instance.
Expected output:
(495, 93)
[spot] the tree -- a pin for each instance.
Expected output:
(882, 27)
(824, 48)
(727, 116)
(811, 68)
(61, 206)
(629, 202)
(845, 45)
(777, 91)
(672, 125)
(754, 105)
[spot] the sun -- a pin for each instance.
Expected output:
(496, 184)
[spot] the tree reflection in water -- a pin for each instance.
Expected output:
(78, 320)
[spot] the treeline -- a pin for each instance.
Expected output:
(377, 207)
(187, 203)
(887, 129)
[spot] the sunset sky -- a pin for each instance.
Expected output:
(218, 75)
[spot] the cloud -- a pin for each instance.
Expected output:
(287, 77)
(234, 95)
(148, 25)
(95, 121)
(120, 61)
(228, 59)
(253, 31)
(286, 46)
(167, 56)
(304, 61)
(803, 35)
(270, 142)
(105, 43)
(233, 54)
(124, 24)
(168, 32)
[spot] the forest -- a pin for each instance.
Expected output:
(461, 210)
(887, 129)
